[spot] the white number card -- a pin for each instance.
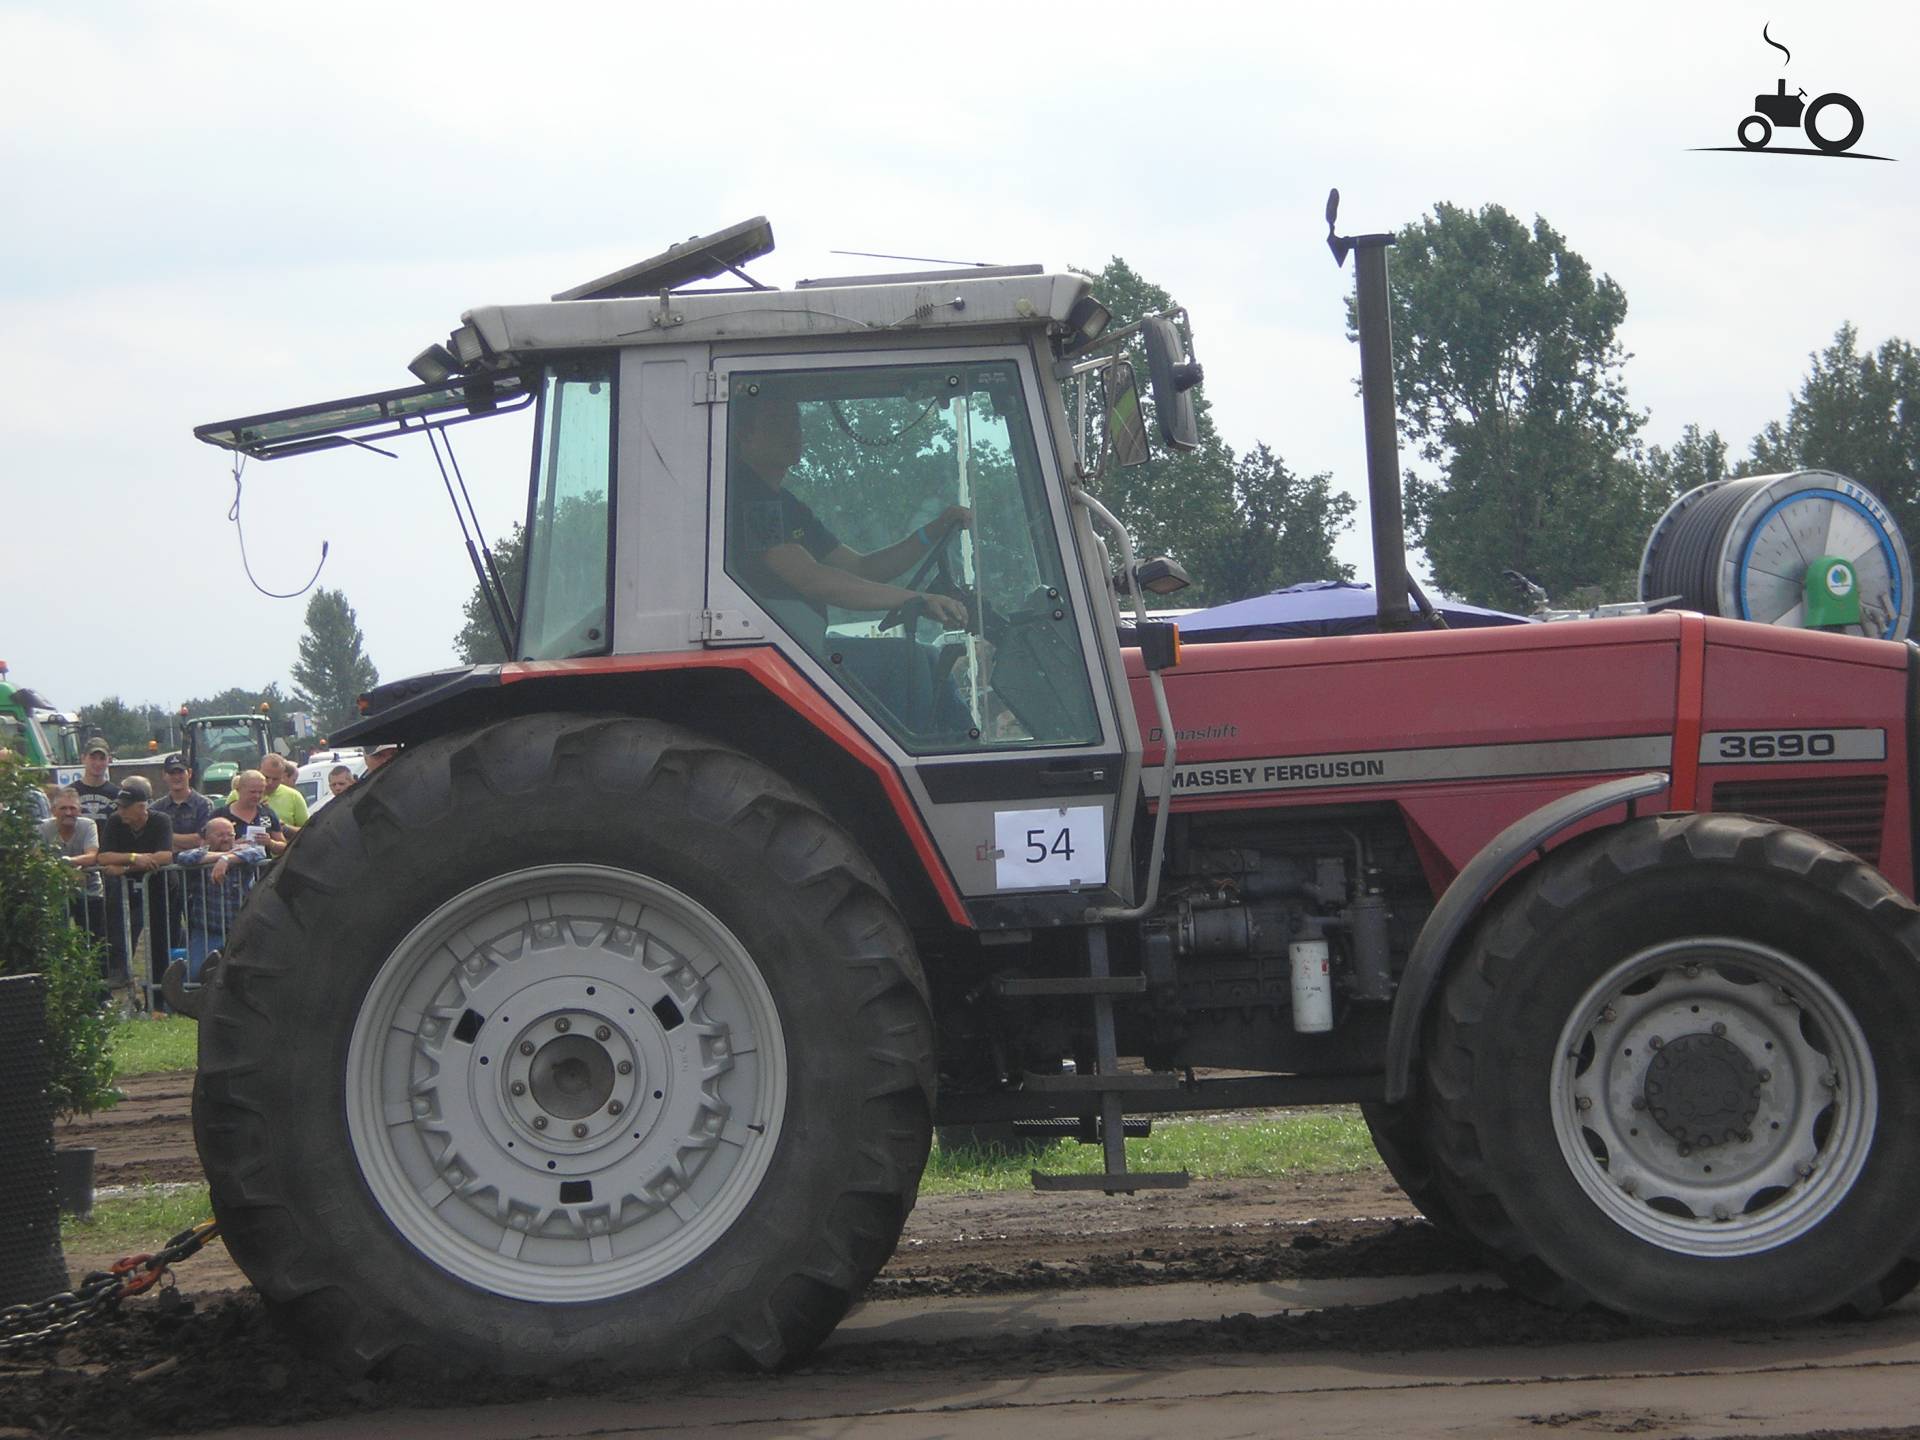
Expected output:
(1049, 849)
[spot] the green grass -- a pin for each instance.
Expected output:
(1319, 1142)
(131, 1224)
(143, 1047)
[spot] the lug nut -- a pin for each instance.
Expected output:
(614, 1107)
(1607, 1016)
(1831, 1080)
(526, 1047)
(563, 1024)
(1765, 1075)
(1691, 969)
(625, 1067)
(1746, 1137)
(1655, 1043)
(519, 1087)
(1629, 1186)
(1804, 1169)
(1582, 1103)
(1720, 1027)
(1639, 1102)
(1720, 1212)
(1686, 1149)
(580, 1131)
(539, 1122)
(602, 1033)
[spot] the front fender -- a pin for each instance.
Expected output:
(1469, 891)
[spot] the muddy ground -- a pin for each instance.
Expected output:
(206, 1356)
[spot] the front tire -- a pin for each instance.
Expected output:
(1677, 1075)
(567, 1041)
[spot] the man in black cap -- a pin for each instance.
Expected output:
(189, 811)
(96, 792)
(135, 843)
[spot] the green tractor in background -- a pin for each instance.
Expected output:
(219, 747)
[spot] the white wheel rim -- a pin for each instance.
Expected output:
(1774, 1073)
(516, 1153)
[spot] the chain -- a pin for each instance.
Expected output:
(22, 1326)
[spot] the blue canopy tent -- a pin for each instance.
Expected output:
(1315, 607)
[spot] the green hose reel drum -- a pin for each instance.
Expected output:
(1810, 549)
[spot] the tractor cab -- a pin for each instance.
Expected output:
(878, 483)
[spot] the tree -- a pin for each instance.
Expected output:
(127, 728)
(1694, 460)
(1507, 372)
(1858, 414)
(333, 670)
(1287, 526)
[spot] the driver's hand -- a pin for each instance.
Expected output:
(946, 609)
(954, 515)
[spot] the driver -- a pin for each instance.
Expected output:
(786, 553)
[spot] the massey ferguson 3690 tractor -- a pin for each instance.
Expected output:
(825, 802)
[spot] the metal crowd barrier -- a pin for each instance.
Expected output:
(176, 912)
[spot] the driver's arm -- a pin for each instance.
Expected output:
(832, 585)
(894, 560)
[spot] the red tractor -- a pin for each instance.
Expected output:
(824, 803)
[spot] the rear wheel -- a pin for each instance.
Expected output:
(566, 1041)
(1397, 1136)
(1677, 1075)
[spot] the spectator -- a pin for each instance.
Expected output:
(77, 839)
(215, 897)
(252, 818)
(377, 759)
(134, 843)
(188, 811)
(340, 780)
(96, 792)
(282, 796)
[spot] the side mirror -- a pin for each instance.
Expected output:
(279, 745)
(1126, 422)
(1173, 377)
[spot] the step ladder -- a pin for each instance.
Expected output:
(1101, 985)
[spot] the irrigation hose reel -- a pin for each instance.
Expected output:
(1810, 549)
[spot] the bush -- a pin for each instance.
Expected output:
(37, 936)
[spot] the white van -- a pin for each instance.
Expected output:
(312, 780)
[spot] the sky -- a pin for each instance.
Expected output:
(218, 209)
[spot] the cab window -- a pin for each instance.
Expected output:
(565, 606)
(892, 520)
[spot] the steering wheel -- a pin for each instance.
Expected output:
(936, 564)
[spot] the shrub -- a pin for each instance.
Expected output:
(38, 936)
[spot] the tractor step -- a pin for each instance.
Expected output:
(1099, 1084)
(1019, 988)
(1123, 1182)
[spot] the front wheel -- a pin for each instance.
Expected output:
(566, 1041)
(1678, 1075)
(1754, 132)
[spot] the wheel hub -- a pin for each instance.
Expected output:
(1703, 1090)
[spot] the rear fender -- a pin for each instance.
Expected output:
(1468, 893)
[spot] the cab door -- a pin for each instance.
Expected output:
(896, 524)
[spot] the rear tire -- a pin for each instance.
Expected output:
(566, 1041)
(1398, 1137)
(1677, 1074)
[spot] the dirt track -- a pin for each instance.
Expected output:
(1225, 1279)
